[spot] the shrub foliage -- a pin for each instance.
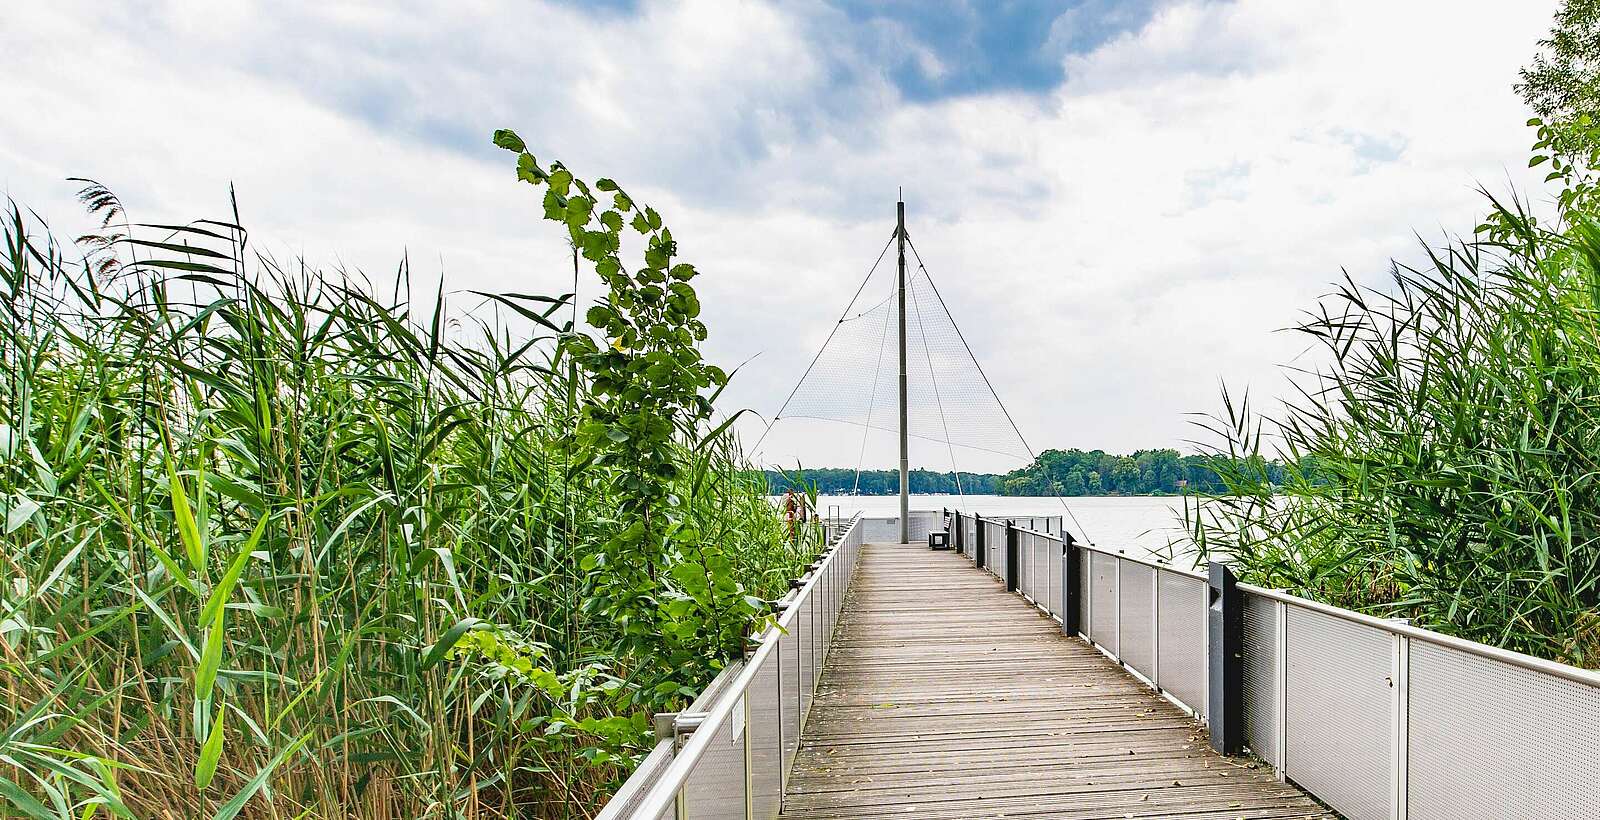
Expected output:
(277, 543)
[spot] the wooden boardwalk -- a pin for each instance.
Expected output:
(947, 697)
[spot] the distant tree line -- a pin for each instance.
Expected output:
(1055, 472)
(841, 481)
(1143, 472)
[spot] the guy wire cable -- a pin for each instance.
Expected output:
(974, 358)
(814, 359)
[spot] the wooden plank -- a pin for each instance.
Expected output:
(944, 696)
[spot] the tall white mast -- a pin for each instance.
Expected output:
(905, 456)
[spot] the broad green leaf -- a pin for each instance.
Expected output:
(528, 169)
(188, 528)
(210, 659)
(560, 181)
(224, 588)
(508, 139)
(210, 752)
(448, 640)
(22, 509)
(27, 803)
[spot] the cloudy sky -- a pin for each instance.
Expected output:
(1121, 201)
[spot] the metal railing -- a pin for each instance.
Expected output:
(1376, 718)
(1149, 616)
(729, 754)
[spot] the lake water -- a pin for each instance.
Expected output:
(1138, 524)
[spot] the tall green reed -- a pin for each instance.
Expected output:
(277, 544)
(1441, 464)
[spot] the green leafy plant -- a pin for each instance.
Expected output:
(1441, 464)
(279, 541)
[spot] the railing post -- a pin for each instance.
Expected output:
(749, 764)
(977, 536)
(956, 538)
(1155, 627)
(1071, 586)
(1116, 612)
(1225, 667)
(1281, 692)
(1400, 710)
(1011, 557)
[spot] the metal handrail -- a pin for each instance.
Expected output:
(1153, 563)
(1575, 674)
(665, 790)
(1587, 677)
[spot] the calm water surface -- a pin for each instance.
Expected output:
(1134, 523)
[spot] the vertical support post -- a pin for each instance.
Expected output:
(1116, 614)
(977, 538)
(1033, 568)
(798, 627)
(749, 780)
(958, 537)
(1282, 693)
(1071, 587)
(1088, 595)
(777, 697)
(1400, 710)
(1225, 667)
(1012, 564)
(905, 453)
(1155, 627)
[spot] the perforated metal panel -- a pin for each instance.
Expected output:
(994, 540)
(1052, 569)
(923, 522)
(766, 754)
(1046, 569)
(808, 656)
(822, 610)
(628, 802)
(1137, 602)
(1182, 645)
(1086, 588)
(1260, 664)
(880, 530)
(789, 686)
(1029, 549)
(1339, 712)
(997, 546)
(1489, 739)
(716, 788)
(1028, 554)
(826, 613)
(1103, 606)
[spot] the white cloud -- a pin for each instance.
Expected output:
(1112, 248)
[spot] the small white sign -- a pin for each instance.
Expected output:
(738, 719)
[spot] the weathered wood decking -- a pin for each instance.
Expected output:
(947, 697)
